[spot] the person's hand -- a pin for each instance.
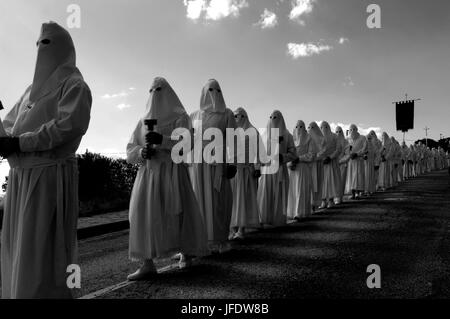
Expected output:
(257, 173)
(395, 165)
(280, 158)
(231, 171)
(383, 158)
(366, 157)
(8, 146)
(327, 160)
(293, 167)
(153, 138)
(354, 156)
(377, 167)
(147, 153)
(410, 162)
(281, 139)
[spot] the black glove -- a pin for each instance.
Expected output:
(395, 165)
(383, 159)
(8, 146)
(231, 171)
(257, 173)
(410, 162)
(281, 139)
(280, 158)
(153, 138)
(296, 161)
(403, 162)
(354, 156)
(148, 153)
(366, 157)
(327, 160)
(293, 167)
(377, 167)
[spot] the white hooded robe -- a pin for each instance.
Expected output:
(245, 212)
(41, 205)
(300, 179)
(273, 188)
(164, 214)
(212, 188)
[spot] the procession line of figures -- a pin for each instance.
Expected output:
(174, 208)
(191, 209)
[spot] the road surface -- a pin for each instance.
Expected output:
(406, 231)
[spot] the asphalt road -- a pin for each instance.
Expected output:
(406, 231)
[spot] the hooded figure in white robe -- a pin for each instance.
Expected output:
(385, 172)
(245, 212)
(406, 157)
(300, 178)
(164, 214)
(356, 170)
(369, 164)
(412, 158)
(418, 161)
(317, 164)
(396, 159)
(329, 153)
(211, 178)
(377, 146)
(274, 187)
(343, 159)
(41, 205)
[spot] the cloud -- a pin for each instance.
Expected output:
(348, 81)
(115, 95)
(306, 49)
(213, 9)
(343, 40)
(123, 106)
(300, 8)
(194, 8)
(268, 20)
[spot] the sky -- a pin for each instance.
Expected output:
(313, 60)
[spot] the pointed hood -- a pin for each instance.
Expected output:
(242, 119)
(354, 134)
(326, 131)
(212, 99)
(56, 59)
(300, 134)
(163, 104)
(276, 121)
(386, 141)
(315, 133)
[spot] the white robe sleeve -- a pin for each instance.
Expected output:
(72, 121)
(134, 148)
(168, 143)
(10, 118)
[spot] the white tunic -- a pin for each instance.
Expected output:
(300, 180)
(356, 170)
(41, 204)
(164, 214)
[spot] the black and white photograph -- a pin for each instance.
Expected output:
(224, 154)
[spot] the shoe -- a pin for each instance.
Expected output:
(238, 236)
(176, 256)
(143, 273)
(231, 236)
(323, 205)
(185, 263)
(330, 204)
